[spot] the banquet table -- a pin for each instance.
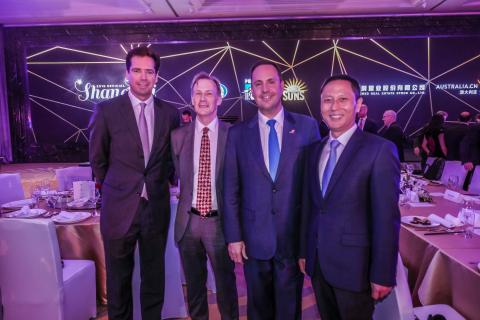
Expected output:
(442, 269)
(82, 240)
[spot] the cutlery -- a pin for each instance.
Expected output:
(442, 232)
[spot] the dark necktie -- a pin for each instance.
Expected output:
(273, 149)
(143, 129)
(331, 162)
(204, 184)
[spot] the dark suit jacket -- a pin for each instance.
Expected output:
(395, 134)
(355, 226)
(265, 214)
(182, 150)
(470, 145)
(116, 156)
(455, 131)
(370, 126)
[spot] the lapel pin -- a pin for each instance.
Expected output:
(292, 131)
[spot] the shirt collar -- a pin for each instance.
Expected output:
(135, 101)
(212, 126)
(344, 137)
(278, 117)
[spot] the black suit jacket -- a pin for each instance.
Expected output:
(455, 131)
(116, 156)
(470, 145)
(395, 134)
(370, 126)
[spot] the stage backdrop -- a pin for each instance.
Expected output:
(414, 76)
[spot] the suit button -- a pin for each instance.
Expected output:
(274, 190)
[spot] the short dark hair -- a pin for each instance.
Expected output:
(464, 116)
(142, 51)
(186, 112)
(265, 63)
(203, 75)
(353, 83)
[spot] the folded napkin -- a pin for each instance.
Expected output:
(25, 211)
(421, 204)
(434, 218)
(456, 221)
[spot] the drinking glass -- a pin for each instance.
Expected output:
(452, 183)
(409, 169)
(98, 201)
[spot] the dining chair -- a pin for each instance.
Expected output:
(35, 282)
(398, 304)
(452, 169)
(66, 176)
(10, 188)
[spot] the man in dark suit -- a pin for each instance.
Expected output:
(350, 216)
(198, 153)
(392, 131)
(455, 131)
(131, 160)
(364, 122)
(263, 168)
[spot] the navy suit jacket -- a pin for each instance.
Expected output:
(265, 214)
(354, 228)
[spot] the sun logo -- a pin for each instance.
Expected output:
(294, 90)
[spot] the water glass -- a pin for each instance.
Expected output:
(468, 222)
(409, 169)
(452, 183)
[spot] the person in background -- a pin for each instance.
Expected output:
(186, 118)
(455, 131)
(350, 217)
(131, 160)
(392, 131)
(363, 122)
(198, 152)
(433, 143)
(262, 182)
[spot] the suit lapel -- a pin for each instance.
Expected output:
(187, 151)
(128, 114)
(345, 159)
(158, 126)
(288, 142)
(253, 138)
(221, 141)
(314, 167)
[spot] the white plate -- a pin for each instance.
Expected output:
(408, 220)
(18, 204)
(65, 217)
(32, 213)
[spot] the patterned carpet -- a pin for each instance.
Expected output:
(37, 173)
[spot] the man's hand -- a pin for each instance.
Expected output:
(301, 265)
(236, 251)
(468, 166)
(379, 292)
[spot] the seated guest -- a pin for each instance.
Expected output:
(455, 131)
(470, 147)
(433, 143)
(363, 122)
(392, 131)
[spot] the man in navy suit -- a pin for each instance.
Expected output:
(262, 198)
(350, 216)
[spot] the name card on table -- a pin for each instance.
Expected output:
(83, 190)
(453, 196)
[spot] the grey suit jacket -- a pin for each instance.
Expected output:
(116, 156)
(182, 152)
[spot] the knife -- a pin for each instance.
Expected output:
(443, 232)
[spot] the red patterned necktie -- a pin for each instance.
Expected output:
(204, 185)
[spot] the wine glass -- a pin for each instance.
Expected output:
(97, 202)
(452, 182)
(409, 169)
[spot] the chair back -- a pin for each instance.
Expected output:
(398, 305)
(10, 188)
(30, 269)
(454, 168)
(474, 186)
(66, 176)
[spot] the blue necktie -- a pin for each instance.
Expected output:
(273, 149)
(332, 160)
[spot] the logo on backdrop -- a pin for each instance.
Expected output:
(98, 91)
(392, 89)
(460, 88)
(293, 90)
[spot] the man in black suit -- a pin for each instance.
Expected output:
(455, 131)
(131, 159)
(392, 131)
(350, 217)
(364, 123)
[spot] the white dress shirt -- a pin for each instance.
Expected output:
(343, 139)
(150, 117)
(213, 137)
(265, 131)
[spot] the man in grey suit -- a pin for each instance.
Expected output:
(131, 160)
(198, 152)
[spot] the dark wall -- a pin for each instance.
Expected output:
(49, 112)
